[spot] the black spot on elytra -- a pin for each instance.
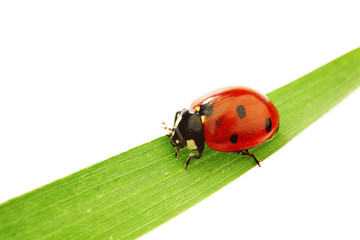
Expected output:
(234, 138)
(241, 111)
(268, 124)
(206, 109)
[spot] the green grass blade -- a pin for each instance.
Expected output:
(129, 194)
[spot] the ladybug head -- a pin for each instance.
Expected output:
(187, 131)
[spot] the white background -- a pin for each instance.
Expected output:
(82, 81)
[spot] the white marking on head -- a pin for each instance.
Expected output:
(203, 118)
(197, 108)
(178, 121)
(191, 144)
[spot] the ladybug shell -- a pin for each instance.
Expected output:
(236, 118)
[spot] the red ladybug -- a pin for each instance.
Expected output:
(228, 120)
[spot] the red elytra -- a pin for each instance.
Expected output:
(228, 120)
(236, 118)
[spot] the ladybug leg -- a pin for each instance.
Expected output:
(247, 153)
(196, 156)
(177, 152)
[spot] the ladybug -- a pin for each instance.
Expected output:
(228, 119)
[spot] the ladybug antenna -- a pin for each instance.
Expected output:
(167, 128)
